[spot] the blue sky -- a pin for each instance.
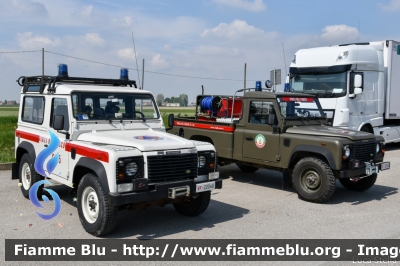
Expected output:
(207, 39)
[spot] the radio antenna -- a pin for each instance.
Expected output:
(284, 58)
(358, 41)
(137, 68)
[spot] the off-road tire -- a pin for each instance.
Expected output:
(313, 180)
(360, 185)
(195, 206)
(28, 176)
(247, 168)
(98, 217)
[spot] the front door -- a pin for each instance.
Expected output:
(59, 166)
(260, 142)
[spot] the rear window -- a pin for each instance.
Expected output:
(33, 110)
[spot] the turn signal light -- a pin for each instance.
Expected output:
(121, 176)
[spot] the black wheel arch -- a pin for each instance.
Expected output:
(86, 165)
(300, 150)
(25, 147)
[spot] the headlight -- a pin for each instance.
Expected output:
(131, 169)
(378, 148)
(347, 151)
(201, 161)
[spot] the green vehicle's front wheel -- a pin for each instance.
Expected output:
(313, 179)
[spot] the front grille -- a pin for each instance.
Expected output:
(364, 151)
(166, 167)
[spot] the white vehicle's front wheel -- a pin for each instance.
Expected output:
(96, 214)
(27, 175)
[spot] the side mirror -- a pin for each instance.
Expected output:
(271, 119)
(357, 82)
(58, 122)
(357, 91)
(171, 120)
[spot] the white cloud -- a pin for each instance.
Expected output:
(158, 62)
(336, 34)
(237, 29)
(256, 5)
(94, 39)
(26, 40)
(127, 53)
(393, 6)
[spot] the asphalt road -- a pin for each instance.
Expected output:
(250, 206)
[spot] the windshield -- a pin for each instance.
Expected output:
(99, 106)
(323, 85)
(300, 107)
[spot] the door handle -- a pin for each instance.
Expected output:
(249, 138)
(46, 145)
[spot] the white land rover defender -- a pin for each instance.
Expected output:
(107, 141)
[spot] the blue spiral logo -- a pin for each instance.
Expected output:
(50, 166)
(35, 201)
(52, 163)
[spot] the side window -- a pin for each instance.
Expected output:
(59, 106)
(33, 110)
(259, 112)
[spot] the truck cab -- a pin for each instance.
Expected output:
(355, 83)
(106, 140)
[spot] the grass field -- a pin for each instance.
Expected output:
(7, 129)
(9, 119)
(9, 111)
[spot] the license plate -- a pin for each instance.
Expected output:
(213, 175)
(371, 169)
(205, 186)
(385, 166)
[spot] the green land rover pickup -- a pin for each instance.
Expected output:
(285, 132)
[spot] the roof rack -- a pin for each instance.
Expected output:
(42, 81)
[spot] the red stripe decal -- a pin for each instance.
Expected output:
(88, 152)
(204, 126)
(26, 135)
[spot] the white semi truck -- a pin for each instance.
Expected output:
(358, 84)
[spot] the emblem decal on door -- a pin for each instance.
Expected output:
(259, 141)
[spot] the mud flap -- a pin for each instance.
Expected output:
(14, 171)
(287, 179)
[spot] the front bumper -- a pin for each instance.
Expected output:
(362, 170)
(160, 191)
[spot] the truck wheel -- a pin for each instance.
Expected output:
(247, 168)
(96, 214)
(360, 185)
(195, 206)
(313, 180)
(27, 175)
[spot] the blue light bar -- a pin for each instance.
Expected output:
(62, 70)
(258, 86)
(124, 73)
